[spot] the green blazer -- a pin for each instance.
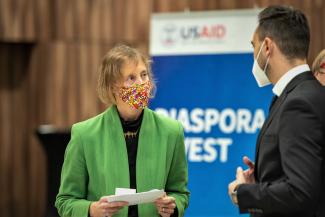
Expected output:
(96, 163)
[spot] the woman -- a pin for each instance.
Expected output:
(127, 146)
(318, 67)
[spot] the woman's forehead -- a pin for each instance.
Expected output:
(132, 66)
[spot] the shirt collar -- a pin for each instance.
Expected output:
(287, 77)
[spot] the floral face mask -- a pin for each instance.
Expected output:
(136, 95)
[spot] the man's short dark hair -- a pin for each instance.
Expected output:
(288, 27)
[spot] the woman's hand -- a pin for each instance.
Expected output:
(165, 205)
(102, 208)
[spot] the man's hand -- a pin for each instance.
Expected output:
(231, 189)
(249, 173)
(242, 177)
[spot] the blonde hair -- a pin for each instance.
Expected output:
(318, 61)
(110, 70)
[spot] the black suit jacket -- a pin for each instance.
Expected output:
(289, 161)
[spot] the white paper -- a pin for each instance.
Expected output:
(137, 198)
(123, 191)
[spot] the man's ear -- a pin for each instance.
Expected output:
(269, 46)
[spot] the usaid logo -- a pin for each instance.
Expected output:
(214, 32)
(169, 35)
(172, 34)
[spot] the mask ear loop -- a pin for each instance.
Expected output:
(267, 60)
(259, 52)
(266, 64)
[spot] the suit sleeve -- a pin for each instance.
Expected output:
(300, 141)
(70, 200)
(176, 185)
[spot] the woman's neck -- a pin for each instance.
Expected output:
(128, 114)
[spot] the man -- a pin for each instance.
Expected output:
(318, 67)
(288, 178)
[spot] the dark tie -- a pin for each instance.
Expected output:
(274, 98)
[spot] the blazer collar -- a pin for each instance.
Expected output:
(297, 80)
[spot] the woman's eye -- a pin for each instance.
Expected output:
(131, 78)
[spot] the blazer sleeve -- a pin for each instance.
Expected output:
(70, 200)
(177, 179)
(300, 141)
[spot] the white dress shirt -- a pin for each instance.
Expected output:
(287, 77)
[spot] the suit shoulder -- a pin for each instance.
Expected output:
(310, 91)
(308, 96)
(310, 88)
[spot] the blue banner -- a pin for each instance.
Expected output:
(221, 108)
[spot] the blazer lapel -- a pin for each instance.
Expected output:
(266, 124)
(145, 167)
(292, 84)
(117, 159)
